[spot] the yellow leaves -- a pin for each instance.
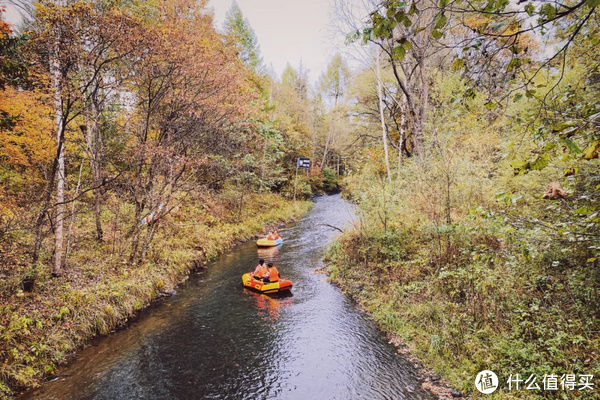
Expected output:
(591, 151)
(27, 140)
(477, 21)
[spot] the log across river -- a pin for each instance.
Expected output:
(216, 340)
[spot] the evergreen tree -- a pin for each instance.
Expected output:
(240, 30)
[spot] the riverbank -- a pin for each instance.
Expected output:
(511, 317)
(97, 294)
(371, 293)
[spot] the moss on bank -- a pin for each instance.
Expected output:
(100, 291)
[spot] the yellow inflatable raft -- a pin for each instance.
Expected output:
(265, 287)
(268, 243)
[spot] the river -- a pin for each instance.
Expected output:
(216, 340)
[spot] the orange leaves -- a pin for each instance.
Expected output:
(205, 77)
(27, 140)
(26, 146)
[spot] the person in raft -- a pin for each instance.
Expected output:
(272, 273)
(260, 272)
(273, 236)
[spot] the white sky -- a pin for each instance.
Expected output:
(288, 31)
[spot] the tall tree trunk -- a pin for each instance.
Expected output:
(72, 222)
(94, 145)
(327, 140)
(39, 223)
(60, 195)
(423, 105)
(330, 132)
(402, 137)
(56, 80)
(382, 117)
(135, 232)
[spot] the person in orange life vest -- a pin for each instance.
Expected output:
(272, 274)
(260, 272)
(276, 235)
(270, 236)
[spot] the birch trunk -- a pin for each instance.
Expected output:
(402, 136)
(56, 80)
(382, 117)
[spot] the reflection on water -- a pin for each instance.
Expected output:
(216, 340)
(269, 254)
(269, 306)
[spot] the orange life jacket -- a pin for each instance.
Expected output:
(270, 237)
(273, 274)
(260, 271)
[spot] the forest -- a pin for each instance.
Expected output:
(138, 141)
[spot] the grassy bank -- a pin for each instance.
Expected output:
(100, 290)
(484, 303)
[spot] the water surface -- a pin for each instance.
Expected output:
(216, 340)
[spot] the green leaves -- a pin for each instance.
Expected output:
(402, 18)
(399, 52)
(458, 64)
(571, 145)
(440, 21)
(413, 9)
(490, 105)
(523, 167)
(593, 3)
(404, 46)
(436, 34)
(530, 9)
(469, 93)
(548, 11)
(539, 163)
(513, 64)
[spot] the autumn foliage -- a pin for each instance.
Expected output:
(114, 119)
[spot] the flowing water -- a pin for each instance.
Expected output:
(216, 340)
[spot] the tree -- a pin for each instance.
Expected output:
(239, 29)
(27, 149)
(189, 126)
(293, 113)
(407, 35)
(57, 79)
(333, 84)
(85, 44)
(382, 117)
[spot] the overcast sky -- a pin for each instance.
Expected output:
(288, 31)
